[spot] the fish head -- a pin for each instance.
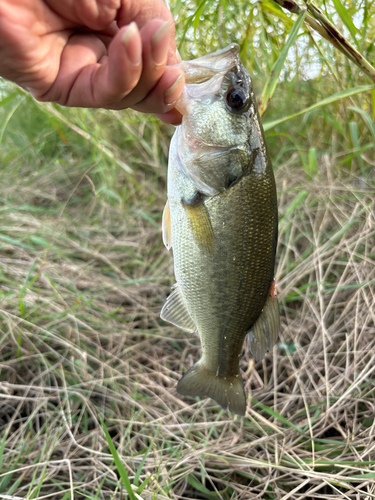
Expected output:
(218, 108)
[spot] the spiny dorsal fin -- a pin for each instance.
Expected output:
(166, 227)
(263, 335)
(200, 224)
(175, 311)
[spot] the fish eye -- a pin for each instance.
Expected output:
(236, 100)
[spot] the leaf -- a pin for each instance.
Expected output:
(346, 19)
(329, 100)
(192, 20)
(273, 78)
(197, 16)
(367, 119)
(120, 466)
(8, 98)
(275, 10)
(8, 117)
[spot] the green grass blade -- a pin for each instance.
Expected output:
(346, 19)
(354, 133)
(367, 118)
(8, 118)
(120, 466)
(313, 163)
(329, 100)
(8, 98)
(2, 447)
(143, 485)
(273, 78)
(140, 467)
(275, 9)
(195, 483)
(276, 415)
(198, 15)
(13, 241)
(295, 203)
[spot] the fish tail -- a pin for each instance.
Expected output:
(227, 392)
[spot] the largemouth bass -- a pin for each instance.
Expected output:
(221, 220)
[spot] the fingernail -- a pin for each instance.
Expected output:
(173, 93)
(160, 44)
(132, 46)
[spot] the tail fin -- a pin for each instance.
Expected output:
(228, 393)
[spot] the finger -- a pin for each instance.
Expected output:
(155, 46)
(165, 94)
(173, 117)
(120, 73)
(96, 15)
(106, 35)
(80, 54)
(126, 76)
(87, 79)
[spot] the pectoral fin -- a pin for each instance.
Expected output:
(264, 332)
(200, 224)
(175, 311)
(166, 227)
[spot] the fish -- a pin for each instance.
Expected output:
(221, 221)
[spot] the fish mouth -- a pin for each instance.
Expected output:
(204, 76)
(204, 68)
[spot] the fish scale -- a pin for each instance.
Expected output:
(245, 255)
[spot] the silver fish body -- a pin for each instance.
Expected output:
(221, 220)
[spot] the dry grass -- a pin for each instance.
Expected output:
(81, 338)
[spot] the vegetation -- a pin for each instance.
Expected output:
(88, 407)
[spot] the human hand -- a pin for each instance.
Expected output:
(104, 53)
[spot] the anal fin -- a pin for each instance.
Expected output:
(175, 311)
(263, 334)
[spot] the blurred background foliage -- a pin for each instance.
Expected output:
(313, 69)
